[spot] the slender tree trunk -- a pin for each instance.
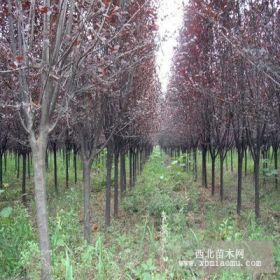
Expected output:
(55, 168)
(23, 185)
(240, 154)
(108, 187)
(1, 170)
(5, 162)
(18, 165)
(122, 173)
(184, 159)
(265, 164)
(141, 160)
(189, 160)
(213, 159)
(63, 156)
(265, 158)
(75, 167)
(195, 164)
(28, 166)
(130, 167)
(226, 162)
(136, 165)
(257, 184)
(39, 152)
(16, 161)
(138, 162)
(116, 185)
(87, 209)
(67, 168)
(204, 167)
(275, 152)
(222, 176)
(134, 168)
(269, 155)
(47, 160)
(231, 161)
(121, 176)
(246, 163)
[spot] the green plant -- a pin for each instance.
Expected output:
(254, 230)
(104, 263)
(69, 270)
(164, 232)
(227, 230)
(145, 270)
(30, 260)
(15, 234)
(6, 211)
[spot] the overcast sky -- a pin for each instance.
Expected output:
(169, 21)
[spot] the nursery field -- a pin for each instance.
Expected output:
(161, 220)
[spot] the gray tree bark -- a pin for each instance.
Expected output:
(38, 147)
(87, 209)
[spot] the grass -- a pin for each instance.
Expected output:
(161, 221)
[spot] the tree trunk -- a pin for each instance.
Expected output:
(38, 153)
(23, 185)
(63, 156)
(265, 158)
(87, 209)
(275, 153)
(55, 168)
(123, 172)
(108, 186)
(116, 185)
(222, 176)
(47, 160)
(75, 167)
(245, 163)
(133, 168)
(186, 157)
(240, 154)
(1, 171)
(265, 164)
(189, 160)
(28, 166)
(67, 168)
(5, 162)
(213, 159)
(231, 161)
(226, 162)
(121, 175)
(204, 167)
(257, 184)
(18, 165)
(130, 167)
(141, 160)
(195, 165)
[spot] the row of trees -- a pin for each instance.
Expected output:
(224, 93)
(77, 75)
